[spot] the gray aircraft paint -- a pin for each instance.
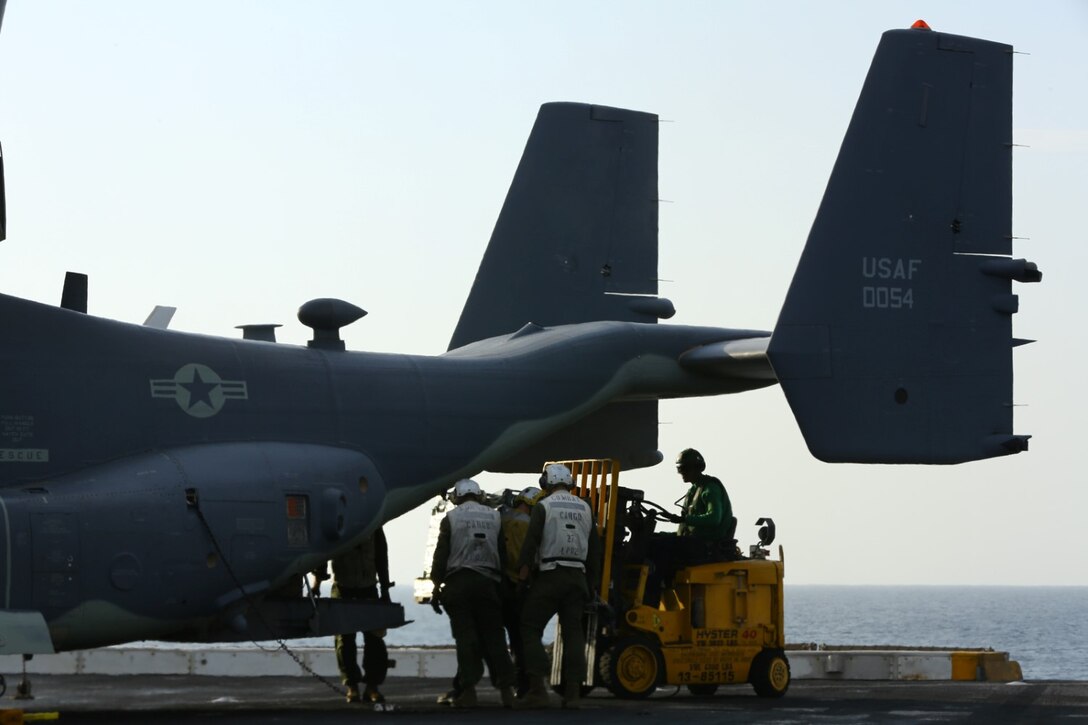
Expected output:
(6, 538)
(160, 484)
(895, 340)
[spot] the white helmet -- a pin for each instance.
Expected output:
(556, 474)
(466, 487)
(528, 496)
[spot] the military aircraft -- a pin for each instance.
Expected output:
(230, 467)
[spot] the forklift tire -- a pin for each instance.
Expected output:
(604, 676)
(770, 673)
(3, 686)
(703, 689)
(633, 667)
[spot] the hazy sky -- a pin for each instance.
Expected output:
(235, 159)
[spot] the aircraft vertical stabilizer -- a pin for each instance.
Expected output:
(578, 230)
(3, 202)
(894, 344)
(576, 241)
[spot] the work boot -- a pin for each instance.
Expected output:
(353, 694)
(467, 698)
(507, 695)
(572, 695)
(537, 697)
(372, 696)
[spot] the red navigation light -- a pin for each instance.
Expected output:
(921, 25)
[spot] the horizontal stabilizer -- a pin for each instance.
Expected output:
(745, 359)
(576, 240)
(894, 344)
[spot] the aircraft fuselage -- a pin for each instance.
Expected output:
(133, 461)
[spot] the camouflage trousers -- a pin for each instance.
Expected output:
(475, 610)
(375, 654)
(561, 591)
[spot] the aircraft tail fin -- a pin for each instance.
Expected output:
(576, 239)
(894, 344)
(3, 202)
(3, 205)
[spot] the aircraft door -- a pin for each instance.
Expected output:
(56, 559)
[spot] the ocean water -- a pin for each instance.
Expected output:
(1045, 629)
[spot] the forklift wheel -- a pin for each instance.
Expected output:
(603, 674)
(770, 673)
(703, 689)
(634, 667)
(3, 686)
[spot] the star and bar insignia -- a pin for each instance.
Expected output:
(198, 390)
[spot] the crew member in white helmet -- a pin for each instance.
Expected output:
(466, 571)
(562, 545)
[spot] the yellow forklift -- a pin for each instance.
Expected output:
(706, 616)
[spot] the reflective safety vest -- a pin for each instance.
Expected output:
(515, 524)
(567, 524)
(474, 539)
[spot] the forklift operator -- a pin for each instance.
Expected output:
(706, 512)
(706, 527)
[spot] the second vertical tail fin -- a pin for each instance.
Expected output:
(577, 234)
(895, 340)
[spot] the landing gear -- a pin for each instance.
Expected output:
(22, 690)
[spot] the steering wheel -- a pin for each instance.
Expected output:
(659, 512)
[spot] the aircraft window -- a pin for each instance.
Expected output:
(901, 396)
(363, 484)
(213, 560)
